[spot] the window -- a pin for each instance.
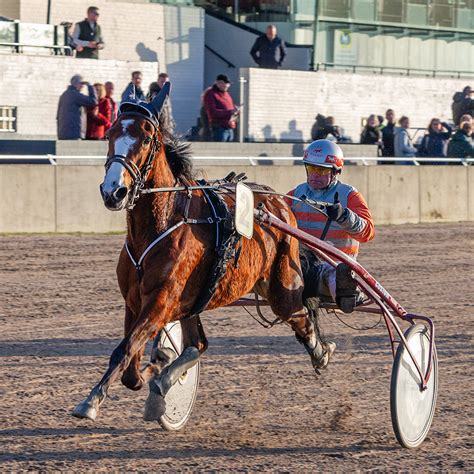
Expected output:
(7, 119)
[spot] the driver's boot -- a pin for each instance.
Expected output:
(346, 288)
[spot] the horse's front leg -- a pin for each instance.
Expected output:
(147, 324)
(132, 378)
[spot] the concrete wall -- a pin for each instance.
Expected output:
(10, 9)
(283, 104)
(38, 198)
(42, 198)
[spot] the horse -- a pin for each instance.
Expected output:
(164, 268)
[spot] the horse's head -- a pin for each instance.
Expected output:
(134, 140)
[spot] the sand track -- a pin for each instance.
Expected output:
(259, 406)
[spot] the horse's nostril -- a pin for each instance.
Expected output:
(120, 193)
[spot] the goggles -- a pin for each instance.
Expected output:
(319, 170)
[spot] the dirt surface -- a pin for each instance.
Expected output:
(260, 406)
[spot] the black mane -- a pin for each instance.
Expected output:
(178, 153)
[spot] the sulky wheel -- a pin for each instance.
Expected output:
(182, 395)
(412, 409)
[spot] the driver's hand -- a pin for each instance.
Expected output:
(335, 211)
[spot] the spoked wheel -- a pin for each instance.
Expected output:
(181, 397)
(413, 409)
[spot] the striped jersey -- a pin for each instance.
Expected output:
(355, 226)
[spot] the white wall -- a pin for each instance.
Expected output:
(184, 33)
(288, 101)
(34, 84)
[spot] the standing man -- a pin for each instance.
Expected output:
(109, 92)
(220, 110)
(402, 142)
(269, 50)
(153, 90)
(87, 36)
(463, 103)
(71, 116)
(134, 90)
(388, 134)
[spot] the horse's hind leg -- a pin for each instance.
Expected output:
(285, 294)
(306, 328)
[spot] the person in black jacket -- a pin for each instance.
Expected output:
(87, 36)
(388, 133)
(325, 128)
(462, 104)
(269, 50)
(435, 142)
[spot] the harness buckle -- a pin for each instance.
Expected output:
(211, 220)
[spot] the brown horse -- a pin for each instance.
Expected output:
(166, 284)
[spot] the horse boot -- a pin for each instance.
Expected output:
(322, 351)
(346, 288)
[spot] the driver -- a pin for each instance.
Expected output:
(351, 223)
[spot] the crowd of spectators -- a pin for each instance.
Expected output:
(88, 116)
(440, 140)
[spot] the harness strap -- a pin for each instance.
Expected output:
(138, 265)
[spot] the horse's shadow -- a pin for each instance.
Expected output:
(218, 346)
(191, 453)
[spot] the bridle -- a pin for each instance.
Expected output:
(139, 175)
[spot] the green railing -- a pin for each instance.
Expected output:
(20, 37)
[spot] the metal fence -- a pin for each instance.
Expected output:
(247, 160)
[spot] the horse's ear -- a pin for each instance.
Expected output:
(159, 100)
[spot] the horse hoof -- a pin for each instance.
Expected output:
(85, 410)
(155, 407)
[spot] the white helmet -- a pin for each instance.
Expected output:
(324, 153)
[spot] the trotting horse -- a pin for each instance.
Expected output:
(170, 252)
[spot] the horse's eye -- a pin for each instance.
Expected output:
(147, 141)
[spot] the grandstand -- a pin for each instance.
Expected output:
(346, 58)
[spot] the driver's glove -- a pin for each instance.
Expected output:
(335, 211)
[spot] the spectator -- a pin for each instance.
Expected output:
(71, 115)
(109, 92)
(154, 89)
(462, 104)
(388, 133)
(325, 128)
(99, 117)
(87, 36)
(402, 142)
(371, 134)
(466, 118)
(269, 50)
(220, 109)
(435, 142)
(134, 90)
(461, 145)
